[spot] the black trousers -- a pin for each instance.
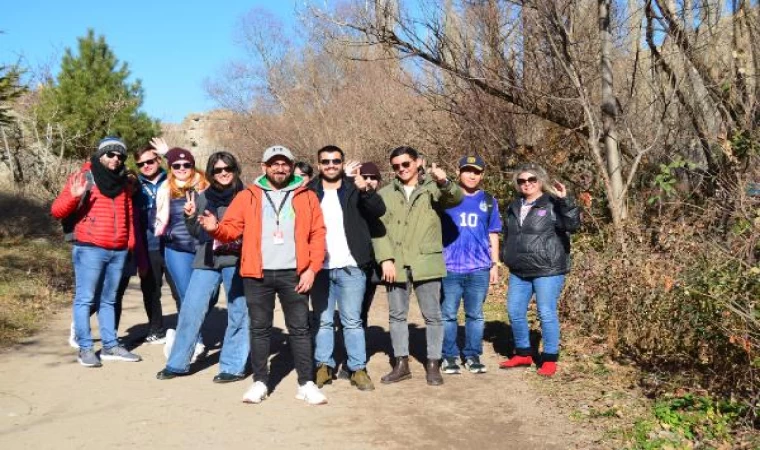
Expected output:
(260, 294)
(150, 285)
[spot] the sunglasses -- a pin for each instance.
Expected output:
(404, 164)
(225, 169)
(531, 180)
(113, 155)
(371, 177)
(177, 166)
(334, 162)
(149, 162)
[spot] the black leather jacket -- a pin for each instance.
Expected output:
(540, 247)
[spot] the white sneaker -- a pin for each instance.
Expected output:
(311, 394)
(199, 349)
(73, 337)
(256, 393)
(170, 334)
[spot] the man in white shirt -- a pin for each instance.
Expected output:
(348, 204)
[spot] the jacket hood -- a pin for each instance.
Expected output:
(263, 183)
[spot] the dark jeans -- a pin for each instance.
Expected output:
(369, 295)
(150, 284)
(260, 294)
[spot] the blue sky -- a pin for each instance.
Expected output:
(172, 46)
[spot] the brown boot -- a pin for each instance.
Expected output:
(400, 371)
(433, 372)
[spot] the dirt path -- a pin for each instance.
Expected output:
(47, 400)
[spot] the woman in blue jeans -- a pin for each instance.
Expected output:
(537, 252)
(214, 264)
(179, 250)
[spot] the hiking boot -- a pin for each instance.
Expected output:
(224, 377)
(433, 372)
(516, 361)
(324, 375)
(474, 365)
(169, 342)
(361, 380)
(167, 374)
(155, 338)
(450, 366)
(119, 353)
(311, 394)
(256, 393)
(73, 337)
(88, 358)
(400, 371)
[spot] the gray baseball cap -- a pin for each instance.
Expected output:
(277, 150)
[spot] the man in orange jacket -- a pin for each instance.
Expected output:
(283, 234)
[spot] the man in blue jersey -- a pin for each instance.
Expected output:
(471, 251)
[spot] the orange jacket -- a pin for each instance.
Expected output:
(243, 218)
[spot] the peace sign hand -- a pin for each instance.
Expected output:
(190, 203)
(352, 168)
(78, 185)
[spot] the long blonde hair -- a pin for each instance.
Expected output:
(539, 172)
(177, 188)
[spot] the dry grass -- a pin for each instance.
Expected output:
(35, 281)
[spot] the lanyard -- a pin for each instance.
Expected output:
(276, 209)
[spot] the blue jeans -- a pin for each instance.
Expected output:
(547, 291)
(473, 287)
(344, 287)
(180, 267)
(95, 268)
(235, 348)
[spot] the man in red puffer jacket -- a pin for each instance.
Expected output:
(103, 234)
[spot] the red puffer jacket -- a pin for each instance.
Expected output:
(101, 221)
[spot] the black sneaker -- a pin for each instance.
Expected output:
(156, 337)
(449, 366)
(474, 365)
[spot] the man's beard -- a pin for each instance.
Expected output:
(332, 178)
(279, 185)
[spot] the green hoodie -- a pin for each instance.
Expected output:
(413, 228)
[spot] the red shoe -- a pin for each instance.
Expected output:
(548, 369)
(516, 361)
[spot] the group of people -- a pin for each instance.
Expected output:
(319, 241)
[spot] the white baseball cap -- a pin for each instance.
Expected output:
(277, 150)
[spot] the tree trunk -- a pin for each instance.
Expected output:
(610, 112)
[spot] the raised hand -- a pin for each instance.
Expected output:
(437, 173)
(208, 221)
(78, 185)
(561, 189)
(160, 145)
(352, 168)
(190, 203)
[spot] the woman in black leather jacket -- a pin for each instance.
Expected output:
(537, 251)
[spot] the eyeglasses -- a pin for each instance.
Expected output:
(225, 169)
(149, 162)
(334, 162)
(404, 164)
(531, 180)
(281, 164)
(177, 166)
(371, 177)
(113, 155)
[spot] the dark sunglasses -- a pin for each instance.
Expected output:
(521, 181)
(371, 177)
(113, 155)
(404, 164)
(177, 166)
(149, 162)
(225, 169)
(335, 162)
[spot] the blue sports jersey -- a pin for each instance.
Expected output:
(466, 247)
